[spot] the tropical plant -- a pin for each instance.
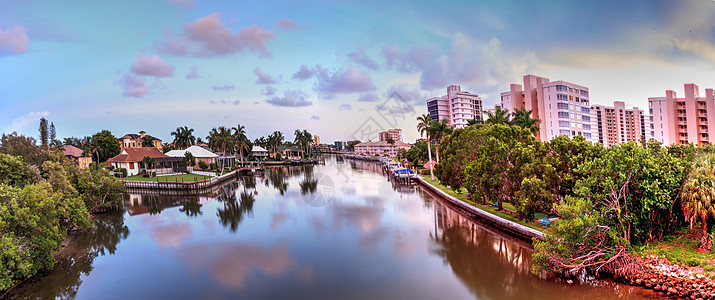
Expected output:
(221, 139)
(147, 141)
(698, 196)
(423, 126)
(44, 132)
(189, 159)
(243, 144)
(104, 145)
(498, 116)
(20, 145)
(183, 137)
(522, 118)
(149, 162)
(438, 130)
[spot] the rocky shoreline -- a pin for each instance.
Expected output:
(672, 280)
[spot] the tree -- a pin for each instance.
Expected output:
(147, 141)
(474, 121)
(498, 116)
(104, 145)
(438, 130)
(243, 144)
(97, 189)
(53, 133)
(423, 125)
(698, 195)
(351, 145)
(149, 163)
(14, 172)
(221, 139)
(522, 118)
(20, 145)
(183, 137)
(190, 159)
(44, 132)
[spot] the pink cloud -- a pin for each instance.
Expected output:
(134, 86)
(181, 3)
(290, 99)
(303, 73)
(286, 24)
(14, 40)
(207, 36)
(349, 81)
(152, 66)
(263, 78)
(194, 74)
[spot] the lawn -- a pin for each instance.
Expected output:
(485, 207)
(170, 178)
(681, 249)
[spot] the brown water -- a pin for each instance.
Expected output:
(333, 231)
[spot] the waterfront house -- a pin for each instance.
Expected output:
(381, 148)
(132, 140)
(199, 153)
(259, 152)
(75, 154)
(132, 160)
(288, 152)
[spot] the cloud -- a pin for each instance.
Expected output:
(360, 57)
(482, 67)
(194, 73)
(351, 80)
(368, 97)
(345, 107)
(208, 37)
(152, 66)
(18, 124)
(134, 86)
(315, 117)
(181, 3)
(290, 99)
(268, 91)
(406, 94)
(224, 87)
(303, 73)
(263, 78)
(234, 102)
(286, 24)
(13, 40)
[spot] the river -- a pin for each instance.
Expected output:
(334, 231)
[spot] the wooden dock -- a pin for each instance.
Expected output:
(187, 187)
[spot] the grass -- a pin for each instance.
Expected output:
(680, 249)
(170, 178)
(485, 207)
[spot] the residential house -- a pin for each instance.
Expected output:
(76, 155)
(131, 140)
(381, 148)
(199, 153)
(259, 152)
(132, 160)
(288, 152)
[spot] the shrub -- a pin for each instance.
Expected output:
(110, 168)
(214, 166)
(123, 170)
(203, 165)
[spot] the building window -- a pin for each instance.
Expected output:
(131, 165)
(585, 110)
(565, 132)
(563, 123)
(563, 115)
(562, 105)
(586, 127)
(586, 118)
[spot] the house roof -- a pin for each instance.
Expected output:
(137, 137)
(196, 151)
(73, 151)
(136, 154)
(258, 149)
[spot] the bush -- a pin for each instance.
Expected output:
(203, 165)
(123, 170)
(214, 166)
(110, 168)
(424, 171)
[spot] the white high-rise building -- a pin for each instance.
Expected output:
(562, 107)
(457, 107)
(613, 125)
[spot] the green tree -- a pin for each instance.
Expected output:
(189, 158)
(44, 132)
(104, 145)
(149, 163)
(243, 144)
(423, 127)
(698, 195)
(20, 145)
(97, 189)
(438, 130)
(221, 139)
(183, 137)
(14, 172)
(52, 133)
(147, 141)
(498, 116)
(522, 118)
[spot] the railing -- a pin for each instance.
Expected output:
(190, 187)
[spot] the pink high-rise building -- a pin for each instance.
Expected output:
(395, 134)
(613, 125)
(457, 107)
(562, 107)
(683, 120)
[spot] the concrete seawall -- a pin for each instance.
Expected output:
(514, 229)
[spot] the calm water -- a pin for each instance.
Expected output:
(338, 231)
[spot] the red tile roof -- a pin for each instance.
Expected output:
(136, 154)
(73, 151)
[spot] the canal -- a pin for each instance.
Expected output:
(333, 231)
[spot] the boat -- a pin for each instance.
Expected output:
(404, 173)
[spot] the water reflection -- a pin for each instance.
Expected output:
(192, 207)
(76, 259)
(235, 209)
(309, 184)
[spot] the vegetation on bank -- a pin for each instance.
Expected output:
(609, 200)
(40, 201)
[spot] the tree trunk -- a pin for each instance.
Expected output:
(429, 155)
(706, 241)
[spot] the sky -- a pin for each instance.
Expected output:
(342, 70)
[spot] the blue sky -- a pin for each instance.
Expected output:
(327, 66)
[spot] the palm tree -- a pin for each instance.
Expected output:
(242, 142)
(299, 138)
(438, 131)
(221, 139)
(275, 140)
(423, 125)
(474, 121)
(149, 162)
(698, 194)
(522, 118)
(498, 116)
(183, 137)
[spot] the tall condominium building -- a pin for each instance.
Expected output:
(613, 125)
(562, 107)
(317, 140)
(395, 134)
(683, 120)
(457, 107)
